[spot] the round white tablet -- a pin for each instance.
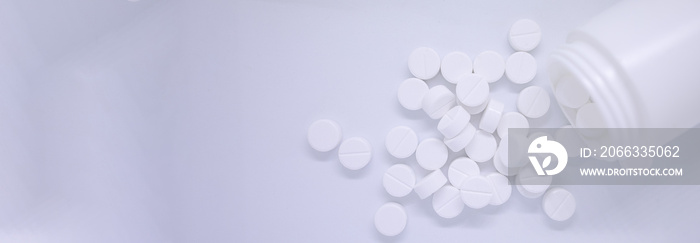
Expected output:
(589, 116)
(431, 154)
(460, 169)
(460, 141)
(476, 191)
(524, 35)
(355, 153)
(401, 142)
(411, 93)
(492, 116)
(511, 120)
(424, 63)
(533, 102)
(500, 167)
(527, 194)
(430, 184)
(447, 202)
(482, 147)
(399, 180)
(324, 135)
(521, 67)
(519, 152)
(570, 139)
(532, 182)
(571, 93)
(559, 204)
(501, 188)
(390, 219)
(453, 122)
(477, 109)
(490, 65)
(454, 65)
(438, 101)
(472, 90)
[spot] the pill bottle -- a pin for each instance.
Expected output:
(638, 63)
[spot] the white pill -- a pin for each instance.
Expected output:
(527, 194)
(482, 147)
(571, 93)
(390, 219)
(490, 65)
(477, 109)
(399, 180)
(355, 153)
(533, 102)
(438, 101)
(430, 184)
(502, 150)
(559, 204)
(460, 169)
(431, 154)
(447, 202)
(524, 35)
(570, 139)
(589, 116)
(492, 116)
(500, 167)
(511, 120)
(532, 182)
(411, 93)
(476, 191)
(401, 142)
(424, 63)
(472, 90)
(521, 67)
(501, 188)
(453, 122)
(460, 141)
(519, 152)
(454, 65)
(324, 135)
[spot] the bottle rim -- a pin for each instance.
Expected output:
(608, 89)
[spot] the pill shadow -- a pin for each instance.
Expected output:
(495, 209)
(355, 174)
(524, 204)
(407, 201)
(558, 225)
(530, 205)
(416, 115)
(473, 218)
(320, 156)
(401, 237)
(505, 84)
(541, 121)
(389, 159)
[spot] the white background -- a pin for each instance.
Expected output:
(185, 121)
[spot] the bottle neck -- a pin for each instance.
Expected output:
(608, 87)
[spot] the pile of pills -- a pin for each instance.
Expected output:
(477, 142)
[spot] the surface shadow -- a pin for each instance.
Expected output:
(558, 225)
(355, 174)
(319, 156)
(474, 218)
(409, 114)
(401, 237)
